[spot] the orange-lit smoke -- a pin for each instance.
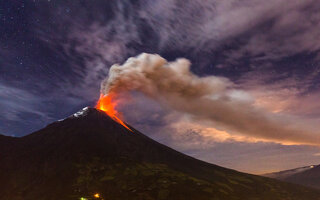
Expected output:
(213, 99)
(107, 104)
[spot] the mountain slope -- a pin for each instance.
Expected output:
(308, 176)
(89, 152)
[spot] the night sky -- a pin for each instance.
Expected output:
(54, 55)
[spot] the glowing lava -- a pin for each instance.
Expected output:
(107, 104)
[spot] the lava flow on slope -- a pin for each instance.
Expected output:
(107, 104)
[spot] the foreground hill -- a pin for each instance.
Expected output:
(90, 153)
(308, 176)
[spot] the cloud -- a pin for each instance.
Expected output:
(205, 98)
(284, 94)
(230, 30)
(203, 141)
(15, 101)
(273, 29)
(23, 112)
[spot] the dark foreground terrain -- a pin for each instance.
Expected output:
(90, 153)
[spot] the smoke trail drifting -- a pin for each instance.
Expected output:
(174, 85)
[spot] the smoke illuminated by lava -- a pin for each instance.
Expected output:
(107, 104)
(214, 99)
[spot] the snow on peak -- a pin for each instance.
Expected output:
(81, 113)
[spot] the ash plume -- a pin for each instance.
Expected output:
(210, 98)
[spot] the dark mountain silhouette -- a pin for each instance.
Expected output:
(90, 153)
(308, 176)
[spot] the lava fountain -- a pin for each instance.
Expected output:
(107, 104)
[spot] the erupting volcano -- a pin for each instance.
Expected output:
(107, 104)
(89, 155)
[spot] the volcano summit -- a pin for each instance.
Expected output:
(91, 156)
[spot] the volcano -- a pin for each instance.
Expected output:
(89, 155)
(308, 176)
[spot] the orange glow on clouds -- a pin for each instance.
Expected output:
(107, 104)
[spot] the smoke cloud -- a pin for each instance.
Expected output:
(209, 98)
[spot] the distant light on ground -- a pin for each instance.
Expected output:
(97, 195)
